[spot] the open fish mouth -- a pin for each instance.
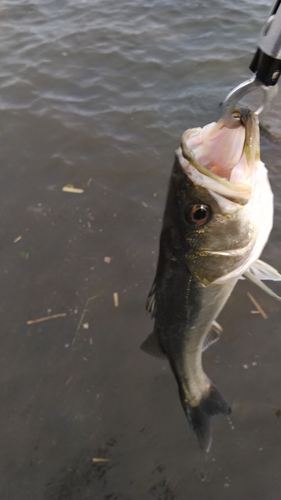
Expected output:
(221, 159)
(226, 162)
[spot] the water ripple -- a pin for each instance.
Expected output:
(93, 60)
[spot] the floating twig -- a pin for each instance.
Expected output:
(259, 308)
(39, 320)
(116, 299)
(71, 189)
(69, 379)
(97, 460)
(94, 297)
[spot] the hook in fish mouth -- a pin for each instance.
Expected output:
(229, 104)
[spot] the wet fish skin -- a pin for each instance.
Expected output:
(183, 307)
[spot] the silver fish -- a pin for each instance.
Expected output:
(217, 220)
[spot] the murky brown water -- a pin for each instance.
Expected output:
(97, 94)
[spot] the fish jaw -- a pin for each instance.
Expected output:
(259, 210)
(243, 194)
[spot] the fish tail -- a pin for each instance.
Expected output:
(199, 417)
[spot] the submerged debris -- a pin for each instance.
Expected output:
(98, 459)
(69, 188)
(39, 320)
(259, 308)
(94, 297)
(116, 299)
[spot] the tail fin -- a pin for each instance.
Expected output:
(199, 417)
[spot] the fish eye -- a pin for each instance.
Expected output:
(198, 214)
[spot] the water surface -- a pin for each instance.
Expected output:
(97, 94)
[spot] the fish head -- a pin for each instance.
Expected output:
(226, 203)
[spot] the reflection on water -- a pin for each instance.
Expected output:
(97, 95)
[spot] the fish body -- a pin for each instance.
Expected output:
(214, 229)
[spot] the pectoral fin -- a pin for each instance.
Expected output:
(251, 277)
(213, 335)
(264, 271)
(261, 271)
